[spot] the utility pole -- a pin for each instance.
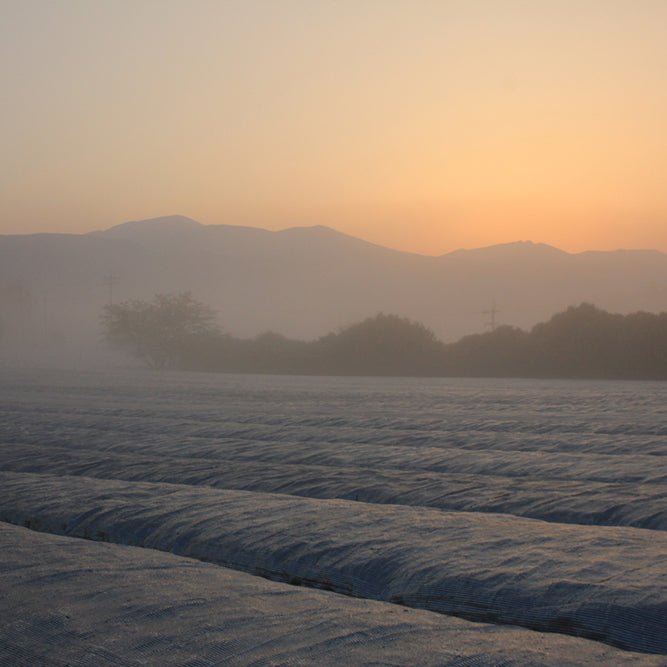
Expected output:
(492, 312)
(110, 280)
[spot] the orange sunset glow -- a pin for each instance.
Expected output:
(424, 126)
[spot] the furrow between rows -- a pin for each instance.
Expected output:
(71, 602)
(604, 583)
(593, 503)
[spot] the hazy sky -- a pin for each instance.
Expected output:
(424, 126)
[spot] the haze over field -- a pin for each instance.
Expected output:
(300, 282)
(339, 156)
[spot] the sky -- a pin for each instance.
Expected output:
(420, 125)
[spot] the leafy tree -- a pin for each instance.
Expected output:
(157, 331)
(582, 341)
(382, 345)
(497, 353)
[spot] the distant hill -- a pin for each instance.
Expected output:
(304, 282)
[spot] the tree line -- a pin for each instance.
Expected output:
(176, 331)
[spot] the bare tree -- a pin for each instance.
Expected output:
(156, 331)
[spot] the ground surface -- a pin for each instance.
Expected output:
(461, 522)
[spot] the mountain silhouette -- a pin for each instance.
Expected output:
(307, 281)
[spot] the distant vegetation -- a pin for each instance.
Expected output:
(160, 331)
(581, 342)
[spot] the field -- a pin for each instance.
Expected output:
(266, 520)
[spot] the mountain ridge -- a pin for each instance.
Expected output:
(165, 222)
(306, 281)
(182, 223)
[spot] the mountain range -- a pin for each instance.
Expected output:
(305, 281)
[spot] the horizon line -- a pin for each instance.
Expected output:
(193, 222)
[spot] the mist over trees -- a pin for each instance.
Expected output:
(580, 342)
(302, 282)
(176, 331)
(380, 345)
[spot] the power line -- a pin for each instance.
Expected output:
(492, 312)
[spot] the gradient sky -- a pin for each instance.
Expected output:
(421, 125)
